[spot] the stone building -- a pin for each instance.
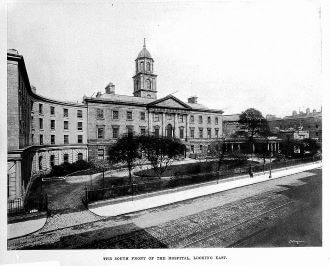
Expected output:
(41, 132)
(310, 121)
(111, 115)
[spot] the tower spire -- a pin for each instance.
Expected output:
(144, 42)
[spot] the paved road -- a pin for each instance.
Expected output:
(182, 224)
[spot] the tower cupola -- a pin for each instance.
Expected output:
(144, 78)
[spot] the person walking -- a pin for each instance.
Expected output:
(250, 171)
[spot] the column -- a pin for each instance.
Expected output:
(239, 146)
(163, 124)
(267, 146)
(18, 175)
(175, 124)
(232, 147)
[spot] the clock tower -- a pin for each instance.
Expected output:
(144, 78)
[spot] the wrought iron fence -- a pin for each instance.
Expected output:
(17, 206)
(96, 194)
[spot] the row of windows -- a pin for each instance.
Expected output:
(65, 111)
(52, 159)
(130, 129)
(115, 115)
(156, 116)
(52, 139)
(65, 124)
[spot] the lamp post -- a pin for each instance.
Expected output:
(270, 165)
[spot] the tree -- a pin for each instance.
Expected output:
(101, 165)
(254, 124)
(217, 150)
(126, 151)
(160, 151)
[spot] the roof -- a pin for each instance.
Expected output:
(231, 118)
(125, 98)
(144, 52)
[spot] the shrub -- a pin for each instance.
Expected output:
(67, 168)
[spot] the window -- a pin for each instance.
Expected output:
(41, 111)
(192, 133)
(100, 132)
(52, 139)
(80, 138)
(192, 148)
(209, 133)
(52, 110)
(181, 118)
(316, 126)
(32, 138)
(65, 112)
(52, 124)
(115, 115)
(65, 158)
(79, 113)
(169, 116)
(148, 83)
(99, 113)
(216, 120)
(66, 139)
(52, 160)
(80, 156)
(40, 162)
(80, 126)
(148, 66)
(156, 131)
(217, 133)
(200, 133)
(143, 131)
(41, 123)
(130, 129)
(209, 119)
(100, 154)
(143, 116)
(66, 125)
(201, 147)
(200, 119)
(141, 66)
(129, 115)
(32, 122)
(192, 119)
(41, 140)
(181, 132)
(115, 132)
(156, 117)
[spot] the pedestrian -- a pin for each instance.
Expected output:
(250, 171)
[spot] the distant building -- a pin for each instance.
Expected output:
(302, 121)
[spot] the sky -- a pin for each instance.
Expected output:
(232, 55)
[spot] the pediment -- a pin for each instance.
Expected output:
(169, 102)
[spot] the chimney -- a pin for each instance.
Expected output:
(110, 88)
(34, 89)
(98, 94)
(308, 111)
(314, 110)
(294, 113)
(12, 51)
(192, 99)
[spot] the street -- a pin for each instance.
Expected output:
(282, 212)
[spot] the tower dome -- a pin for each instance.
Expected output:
(144, 52)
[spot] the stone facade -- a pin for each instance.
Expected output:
(37, 130)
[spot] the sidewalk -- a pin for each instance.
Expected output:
(25, 227)
(129, 206)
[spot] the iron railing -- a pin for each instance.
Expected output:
(18, 207)
(96, 194)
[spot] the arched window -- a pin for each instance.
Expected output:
(65, 157)
(148, 82)
(80, 156)
(52, 160)
(40, 162)
(148, 66)
(141, 66)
